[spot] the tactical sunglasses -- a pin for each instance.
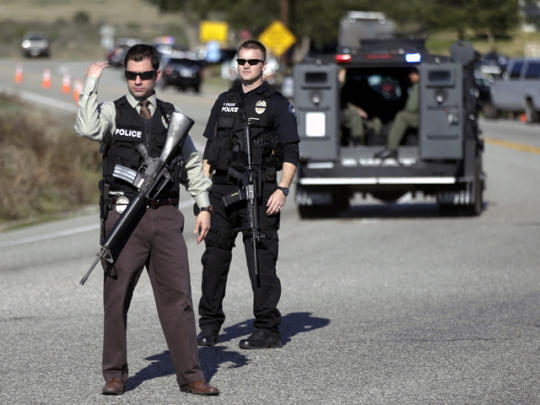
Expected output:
(149, 74)
(252, 62)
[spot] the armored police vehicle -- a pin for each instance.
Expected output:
(441, 158)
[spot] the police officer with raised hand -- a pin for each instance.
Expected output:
(157, 241)
(274, 147)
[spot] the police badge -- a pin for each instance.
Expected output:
(260, 106)
(121, 204)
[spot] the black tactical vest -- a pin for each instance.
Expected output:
(132, 129)
(228, 146)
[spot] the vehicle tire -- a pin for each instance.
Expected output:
(197, 89)
(478, 186)
(490, 111)
(530, 111)
(477, 193)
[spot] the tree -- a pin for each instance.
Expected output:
(319, 19)
(493, 17)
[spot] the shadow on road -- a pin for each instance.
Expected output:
(212, 358)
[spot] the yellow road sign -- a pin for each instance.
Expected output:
(277, 38)
(213, 31)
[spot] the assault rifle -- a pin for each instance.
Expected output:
(249, 191)
(152, 176)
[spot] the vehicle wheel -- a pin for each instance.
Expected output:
(477, 191)
(490, 111)
(530, 111)
(197, 89)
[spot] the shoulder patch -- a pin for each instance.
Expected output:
(292, 110)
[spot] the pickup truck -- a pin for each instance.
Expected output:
(518, 90)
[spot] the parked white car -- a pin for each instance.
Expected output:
(518, 90)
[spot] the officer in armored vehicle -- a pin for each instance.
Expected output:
(358, 103)
(405, 119)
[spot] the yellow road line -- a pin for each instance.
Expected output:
(513, 145)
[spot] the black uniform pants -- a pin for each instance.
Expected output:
(216, 260)
(157, 243)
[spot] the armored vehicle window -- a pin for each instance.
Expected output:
(515, 73)
(316, 77)
(533, 70)
(439, 77)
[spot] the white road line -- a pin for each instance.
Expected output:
(41, 99)
(65, 232)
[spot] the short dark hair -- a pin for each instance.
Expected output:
(253, 44)
(140, 52)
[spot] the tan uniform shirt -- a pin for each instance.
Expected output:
(95, 120)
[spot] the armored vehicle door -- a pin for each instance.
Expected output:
(317, 107)
(441, 110)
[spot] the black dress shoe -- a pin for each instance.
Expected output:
(386, 154)
(207, 338)
(260, 340)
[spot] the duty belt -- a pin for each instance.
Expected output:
(152, 203)
(162, 201)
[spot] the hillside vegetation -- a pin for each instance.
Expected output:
(44, 167)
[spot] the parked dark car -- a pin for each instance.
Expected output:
(116, 55)
(183, 73)
(35, 44)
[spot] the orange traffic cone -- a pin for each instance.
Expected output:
(77, 87)
(46, 82)
(66, 83)
(19, 74)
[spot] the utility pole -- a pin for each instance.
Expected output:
(285, 12)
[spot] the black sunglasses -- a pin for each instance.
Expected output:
(149, 74)
(252, 62)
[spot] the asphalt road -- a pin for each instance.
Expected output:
(385, 304)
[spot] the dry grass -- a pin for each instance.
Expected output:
(44, 167)
(114, 12)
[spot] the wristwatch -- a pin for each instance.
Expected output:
(285, 190)
(196, 209)
(210, 208)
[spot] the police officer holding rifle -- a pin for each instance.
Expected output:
(251, 135)
(134, 136)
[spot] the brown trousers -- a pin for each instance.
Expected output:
(158, 243)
